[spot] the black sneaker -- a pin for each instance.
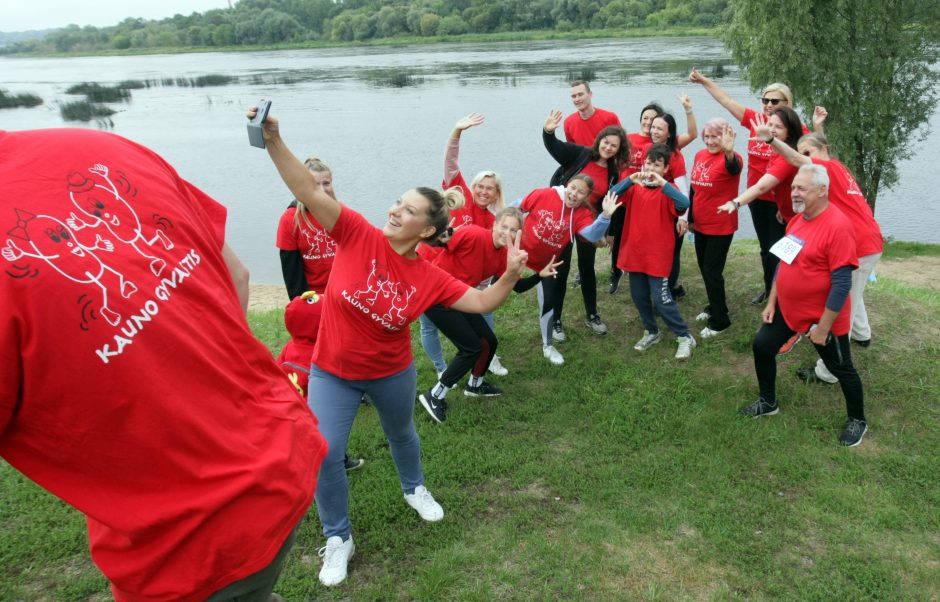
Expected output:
(436, 407)
(860, 343)
(558, 333)
(484, 389)
(808, 376)
(760, 298)
(854, 430)
(577, 281)
(678, 292)
(614, 285)
(761, 407)
(353, 463)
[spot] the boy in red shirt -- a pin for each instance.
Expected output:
(648, 244)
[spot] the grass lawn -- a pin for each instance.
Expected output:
(618, 476)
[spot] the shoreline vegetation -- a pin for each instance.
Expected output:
(620, 475)
(467, 38)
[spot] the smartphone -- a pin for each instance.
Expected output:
(255, 137)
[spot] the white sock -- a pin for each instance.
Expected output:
(475, 381)
(439, 390)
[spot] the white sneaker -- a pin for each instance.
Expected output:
(552, 354)
(702, 317)
(497, 368)
(708, 333)
(422, 501)
(335, 554)
(558, 332)
(686, 345)
(648, 340)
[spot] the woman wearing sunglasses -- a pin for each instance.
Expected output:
(763, 210)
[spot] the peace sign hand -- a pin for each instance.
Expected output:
(551, 269)
(515, 257)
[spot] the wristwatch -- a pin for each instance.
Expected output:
(737, 204)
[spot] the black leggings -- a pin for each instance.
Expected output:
(548, 289)
(769, 231)
(471, 335)
(836, 354)
(711, 251)
(586, 256)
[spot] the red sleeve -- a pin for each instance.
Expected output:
(842, 250)
(749, 115)
(780, 168)
(212, 209)
(449, 289)
(347, 225)
(528, 201)
(462, 183)
(286, 231)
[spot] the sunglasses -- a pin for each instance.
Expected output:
(771, 101)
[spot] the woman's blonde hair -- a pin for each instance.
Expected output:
(500, 201)
(782, 88)
(302, 215)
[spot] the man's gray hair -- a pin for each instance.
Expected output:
(819, 174)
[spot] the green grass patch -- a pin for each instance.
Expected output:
(12, 101)
(98, 93)
(83, 110)
(901, 249)
(618, 476)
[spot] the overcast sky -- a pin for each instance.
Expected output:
(23, 15)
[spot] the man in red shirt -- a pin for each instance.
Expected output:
(582, 126)
(131, 386)
(809, 294)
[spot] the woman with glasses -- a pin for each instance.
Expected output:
(763, 210)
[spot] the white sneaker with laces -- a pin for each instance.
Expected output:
(686, 345)
(552, 354)
(497, 368)
(648, 340)
(702, 317)
(335, 554)
(422, 501)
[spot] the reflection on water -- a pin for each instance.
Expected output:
(380, 117)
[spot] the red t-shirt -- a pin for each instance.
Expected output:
(713, 186)
(373, 295)
(470, 213)
(131, 386)
(648, 225)
(758, 153)
(314, 244)
(783, 171)
(639, 144)
(676, 167)
(471, 257)
(549, 225)
(803, 286)
(845, 194)
(599, 175)
(585, 131)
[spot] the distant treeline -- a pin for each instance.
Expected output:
(262, 22)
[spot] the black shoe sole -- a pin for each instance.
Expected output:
(866, 343)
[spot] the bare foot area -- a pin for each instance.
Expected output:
(921, 272)
(264, 297)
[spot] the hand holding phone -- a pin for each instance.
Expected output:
(255, 135)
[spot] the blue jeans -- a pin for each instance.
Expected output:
(642, 288)
(334, 402)
(431, 340)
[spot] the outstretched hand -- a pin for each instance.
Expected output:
(269, 129)
(552, 121)
(610, 203)
(727, 138)
(819, 116)
(761, 129)
(696, 77)
(551, 269)
(728, 207)
(471, 120)
(516, 258)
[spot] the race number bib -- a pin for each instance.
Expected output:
(787, 248)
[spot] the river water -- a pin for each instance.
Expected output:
(383, 135)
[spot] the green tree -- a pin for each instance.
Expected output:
(869, 62)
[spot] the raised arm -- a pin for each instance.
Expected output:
(565, 153)
(819, 119)
(453, 144)
(302, 184)
(691, 128)
(734, 107)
